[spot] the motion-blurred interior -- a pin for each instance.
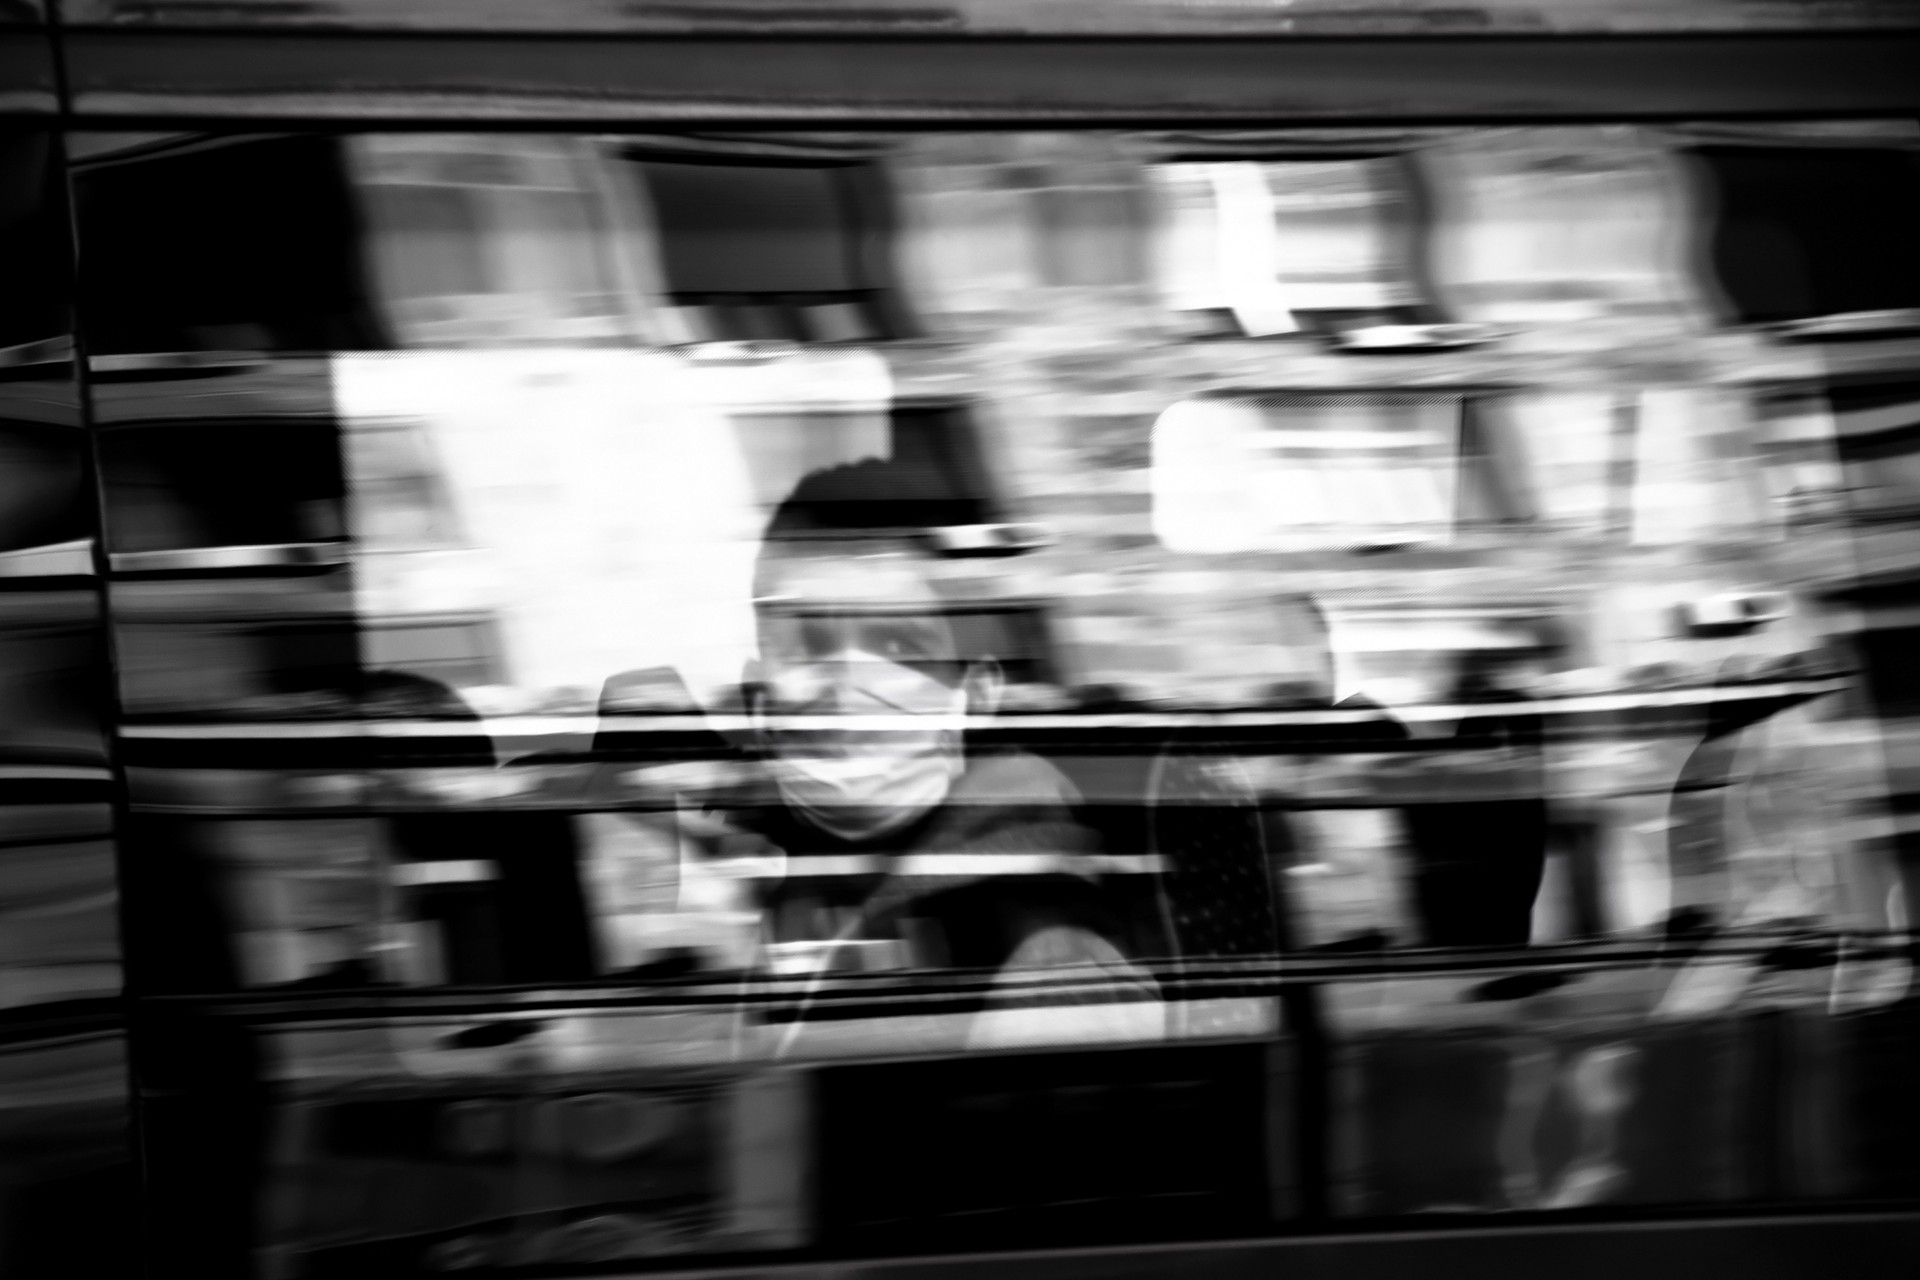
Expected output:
(631, 698)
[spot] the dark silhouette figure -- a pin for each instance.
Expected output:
(1478, 863)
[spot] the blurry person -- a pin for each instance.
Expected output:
(1479, 863)
(528, 921)
(942, 856)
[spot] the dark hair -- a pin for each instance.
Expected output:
(865, 497)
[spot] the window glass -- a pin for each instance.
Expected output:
(31, 217)
(1806, 232)
(1567, 226)
(231, 484)
(772, 252)
(1842, 451)
(579, 653)
(66, 1138)
(1877, 437)
(490, 241)
(1281, 246)
(1290, 473)
(247, 246)
(43, 495)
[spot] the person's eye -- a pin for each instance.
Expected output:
(817, 639)
(905, 644)
(883, 642)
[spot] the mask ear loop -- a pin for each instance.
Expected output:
(814, 984)
(753, 701)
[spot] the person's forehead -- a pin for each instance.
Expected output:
(803, 579)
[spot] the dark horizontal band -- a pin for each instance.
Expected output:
(319, 76)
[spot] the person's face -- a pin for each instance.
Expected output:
(856, 634)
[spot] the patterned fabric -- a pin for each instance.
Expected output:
(1219, 898)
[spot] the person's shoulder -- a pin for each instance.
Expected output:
(1007, 802)
(1015, 778)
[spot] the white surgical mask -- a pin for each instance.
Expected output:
(869, 786)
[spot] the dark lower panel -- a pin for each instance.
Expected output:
(26, 71)
(1861, 1248)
